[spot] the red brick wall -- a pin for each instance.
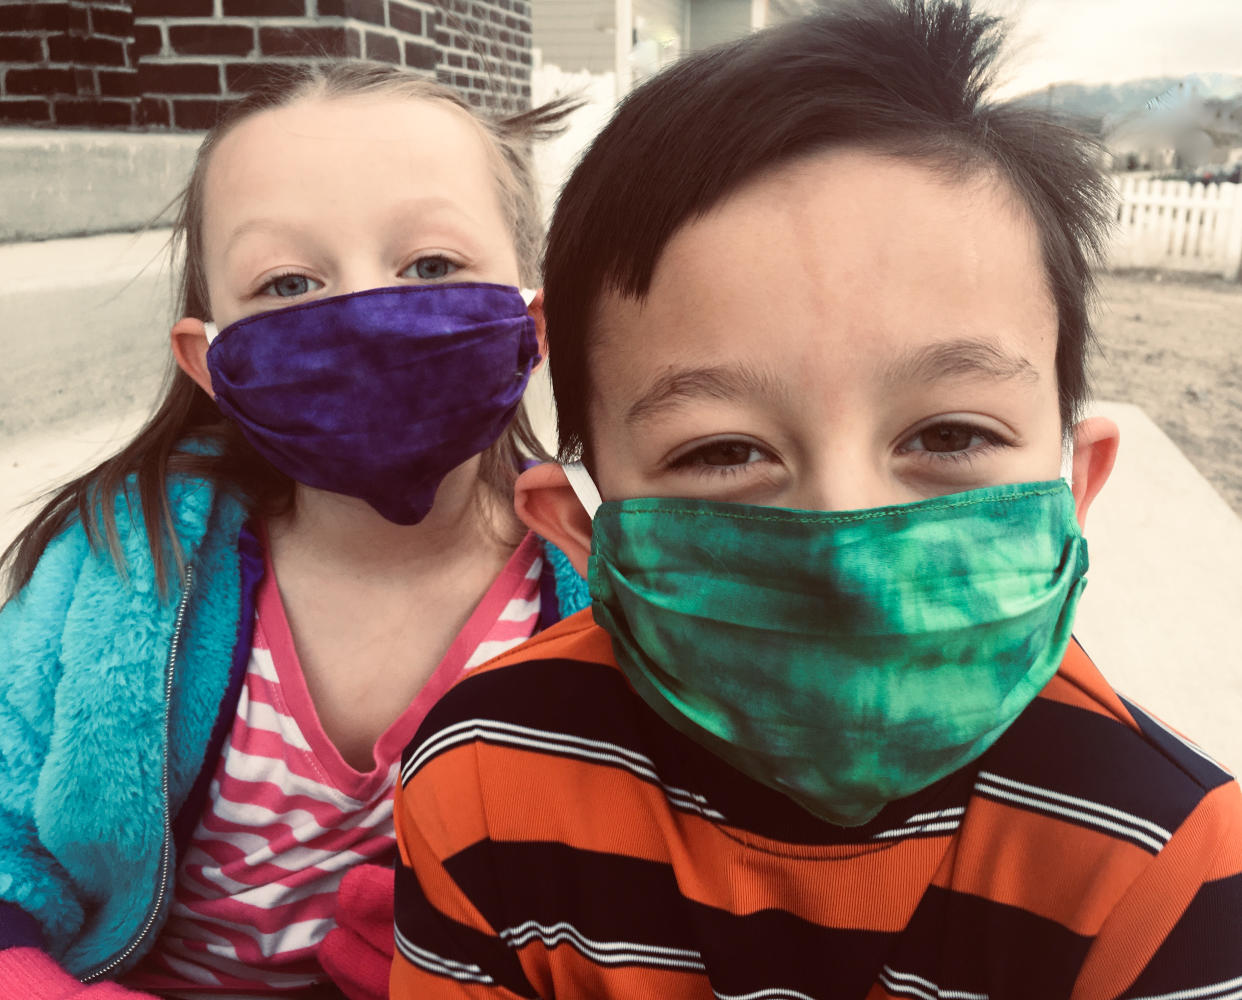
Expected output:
(175, 63)
(485, 49)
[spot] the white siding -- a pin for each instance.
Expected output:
(785, 10)
(664, 17)
(659, 35)
(713, 21)
(575, 34)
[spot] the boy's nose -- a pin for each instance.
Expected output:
(845, 485)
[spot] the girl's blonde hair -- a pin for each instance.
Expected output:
(185, 412)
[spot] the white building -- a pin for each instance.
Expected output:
(634, 38)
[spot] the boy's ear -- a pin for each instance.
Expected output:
(189, 347)
(535, 309)
(1095, 451)
(548, 505)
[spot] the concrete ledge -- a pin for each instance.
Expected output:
(83, 328)
(36, 463)
(1161, 612)
(72, 183)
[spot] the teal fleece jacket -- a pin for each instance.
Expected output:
(109, 694)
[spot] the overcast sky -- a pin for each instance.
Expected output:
(1111, 40)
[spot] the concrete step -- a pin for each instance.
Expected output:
(61, 182)
(83, 328)
(1161, 609)
(33, 464)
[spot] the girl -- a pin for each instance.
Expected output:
(219, 640)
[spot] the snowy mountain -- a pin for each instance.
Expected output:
(1108, 103)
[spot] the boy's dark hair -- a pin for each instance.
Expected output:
(905, 77)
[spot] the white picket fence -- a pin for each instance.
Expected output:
(1178, 225)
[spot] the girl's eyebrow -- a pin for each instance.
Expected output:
(680, 385)
(259, 225)
(427, 204)
(434, 206)
(441, 213)
(964, 357)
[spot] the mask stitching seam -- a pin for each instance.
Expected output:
(837, 518)
(386, 290)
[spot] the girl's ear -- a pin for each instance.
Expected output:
(547, 505)
(535, 309)
(1095, 451)
(189, 347)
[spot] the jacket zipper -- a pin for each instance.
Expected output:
(166, 848)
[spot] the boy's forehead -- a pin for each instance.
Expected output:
(855, 250)
(864, 212)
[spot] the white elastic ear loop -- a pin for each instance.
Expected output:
(1067, 464)
(528, 294)
(211, 331)
(584, 487)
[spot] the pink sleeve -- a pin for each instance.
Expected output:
(30, 974)
(357, 953)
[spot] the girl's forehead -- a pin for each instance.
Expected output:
(381, 124)
(351, 154)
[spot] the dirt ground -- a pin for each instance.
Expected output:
(1172, 344)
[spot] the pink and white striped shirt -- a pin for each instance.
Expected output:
(256, 888)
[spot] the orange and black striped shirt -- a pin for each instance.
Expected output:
(559, 840)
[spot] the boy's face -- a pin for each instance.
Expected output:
(849, 330)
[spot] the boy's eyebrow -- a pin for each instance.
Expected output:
(965, 356)
(711, 382)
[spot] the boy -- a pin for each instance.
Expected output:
(817, 318)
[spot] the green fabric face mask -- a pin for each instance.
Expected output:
(845, 659)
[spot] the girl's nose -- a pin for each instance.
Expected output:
(362, 278)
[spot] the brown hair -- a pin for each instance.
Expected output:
(185, 412)
(908, 77)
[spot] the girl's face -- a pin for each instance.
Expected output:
(333, 195)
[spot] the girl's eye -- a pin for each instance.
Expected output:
(290, 285)
(433, 268)
(720, 456)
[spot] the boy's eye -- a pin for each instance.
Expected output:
(433, 268)
(290, 285)
(720, 455)
(728, 453)
(949, 439)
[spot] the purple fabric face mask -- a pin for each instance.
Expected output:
(378, 394)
